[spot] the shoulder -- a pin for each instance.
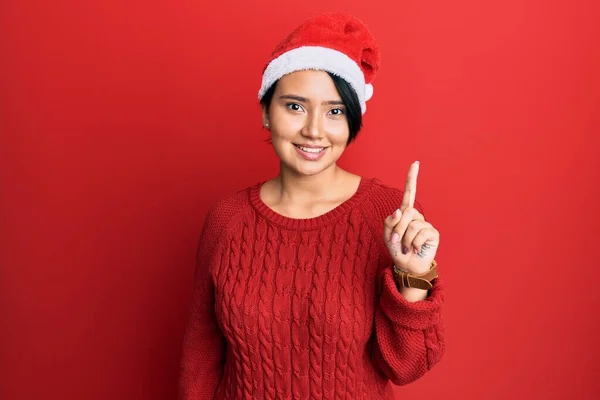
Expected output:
(226, 211)
(383, 192)
(383, 199)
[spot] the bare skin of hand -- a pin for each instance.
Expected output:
(411, 241)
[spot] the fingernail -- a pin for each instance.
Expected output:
(397, 213)
(395, 237)
(404, 250)
(415, 250)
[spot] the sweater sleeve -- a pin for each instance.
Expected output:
(203, 345)
(409, 337)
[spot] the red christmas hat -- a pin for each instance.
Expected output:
(337, 43)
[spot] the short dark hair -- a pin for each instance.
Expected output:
(349, 97)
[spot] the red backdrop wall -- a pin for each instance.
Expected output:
(122, 123)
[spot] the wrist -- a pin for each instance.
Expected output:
(413, 294)
(398, 270)
(410, 280)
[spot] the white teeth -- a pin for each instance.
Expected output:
(311, 150)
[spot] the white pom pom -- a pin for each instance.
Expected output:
(368, 91)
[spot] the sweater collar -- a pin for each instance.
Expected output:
(308, 223)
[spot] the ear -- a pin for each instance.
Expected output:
(265, 116)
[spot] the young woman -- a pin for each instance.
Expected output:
(317, 283)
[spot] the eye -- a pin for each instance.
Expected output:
(294, 106)
(337, 111)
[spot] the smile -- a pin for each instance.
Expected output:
(314, 150)
(311, 153)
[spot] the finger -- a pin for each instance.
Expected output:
(389, 223)
(410, 190)
(412, 231)
(420, 241)
(409, 215)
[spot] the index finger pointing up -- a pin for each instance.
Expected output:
(410, 191)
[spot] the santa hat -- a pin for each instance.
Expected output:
(337, 43)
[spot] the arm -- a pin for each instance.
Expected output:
(203, 345)
(412, 294)
(409, 336)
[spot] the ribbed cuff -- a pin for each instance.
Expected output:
(418, 315)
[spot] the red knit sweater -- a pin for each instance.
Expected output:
(304, 308)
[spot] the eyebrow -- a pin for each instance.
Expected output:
(305, 100)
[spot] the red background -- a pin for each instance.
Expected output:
(122, 122)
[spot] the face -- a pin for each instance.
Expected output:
(307, 120)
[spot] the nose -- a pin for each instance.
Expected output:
(312, 128)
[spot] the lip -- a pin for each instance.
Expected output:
(311, 156)
(310, 146)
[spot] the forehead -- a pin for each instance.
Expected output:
(309, 84)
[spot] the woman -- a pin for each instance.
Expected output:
(317, 283)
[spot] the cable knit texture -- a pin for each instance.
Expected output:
(304, 308)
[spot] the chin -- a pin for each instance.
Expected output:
(294, 162)
(309, 171)
(312, 169)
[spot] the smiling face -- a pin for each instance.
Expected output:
(307, 120)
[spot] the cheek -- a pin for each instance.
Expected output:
(285, 120)
(338, 132)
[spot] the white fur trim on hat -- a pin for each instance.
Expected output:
(318, 58)
(368, 91)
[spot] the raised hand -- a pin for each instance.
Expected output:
(412, 241)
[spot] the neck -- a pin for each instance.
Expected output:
(296, 187)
